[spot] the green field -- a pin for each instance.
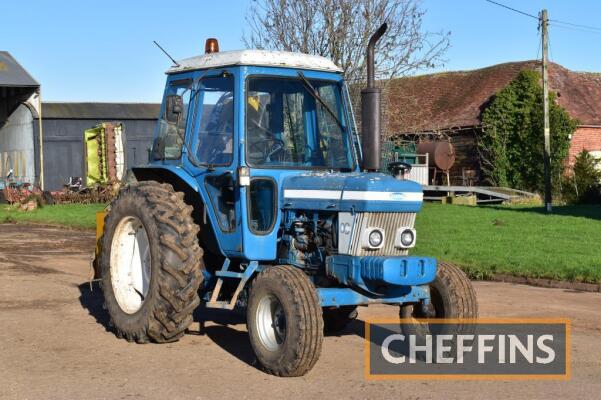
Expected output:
(82, 216)
(516, 240)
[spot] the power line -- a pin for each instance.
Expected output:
(594, 28)
(553, 22)
(572, 28)
(513, 9)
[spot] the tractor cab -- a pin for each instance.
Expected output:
(258, 132)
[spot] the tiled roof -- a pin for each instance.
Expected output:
(456, 99)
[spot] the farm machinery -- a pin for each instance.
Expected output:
(104, 168)
(261, 196)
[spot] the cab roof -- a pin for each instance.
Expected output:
(263, 58)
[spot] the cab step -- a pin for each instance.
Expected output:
(223, 273)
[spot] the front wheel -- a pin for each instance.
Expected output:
(284, 321)
(451, 296)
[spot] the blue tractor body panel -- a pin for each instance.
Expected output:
(371, 273)
(356, 191)
(310, 194)
(336, 297)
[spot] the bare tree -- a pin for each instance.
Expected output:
(340, 30)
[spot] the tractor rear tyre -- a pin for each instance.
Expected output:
(284, 321)
(151, 263)
(336, 319)
(452, 296)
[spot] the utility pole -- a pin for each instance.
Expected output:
(544, 20)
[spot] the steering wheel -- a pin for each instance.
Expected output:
(399, 168)
(269, 149)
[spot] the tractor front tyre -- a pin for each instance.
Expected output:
(452, 296)
(336, 319)
(284, 321)
(151, 263)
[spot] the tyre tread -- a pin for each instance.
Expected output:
(307, 319)
(178, 282)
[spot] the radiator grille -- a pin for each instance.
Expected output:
(389, 222)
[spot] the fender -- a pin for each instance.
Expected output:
(182, 181)
(163, 173)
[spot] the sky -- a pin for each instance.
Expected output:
(102, 50)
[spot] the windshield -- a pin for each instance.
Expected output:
(287, 127)
(172, 123)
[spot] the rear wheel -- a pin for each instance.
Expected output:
(150, 263)
(451, 296)
(284, 321)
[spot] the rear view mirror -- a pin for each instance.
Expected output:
(173, 108)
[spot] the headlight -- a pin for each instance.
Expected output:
(373, 238)
(404, 238)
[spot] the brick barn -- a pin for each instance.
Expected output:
(451, 104)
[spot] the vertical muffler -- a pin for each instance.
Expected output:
(370, 109)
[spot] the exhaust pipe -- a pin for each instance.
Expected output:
(370, 109)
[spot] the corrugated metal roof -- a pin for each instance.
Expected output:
(106, 111)
(12, 74)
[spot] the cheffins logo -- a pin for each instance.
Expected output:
(468, 349)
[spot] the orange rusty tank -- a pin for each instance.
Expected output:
(441, 153)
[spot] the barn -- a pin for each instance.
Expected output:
(63, 125)
(450, 104)
(41, 143)
(19, 102)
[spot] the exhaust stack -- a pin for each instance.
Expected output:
(370, 109)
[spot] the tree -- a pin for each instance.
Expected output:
(584, 184)
(340, 30)
(511, 142)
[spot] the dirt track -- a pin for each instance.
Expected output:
(55, 342)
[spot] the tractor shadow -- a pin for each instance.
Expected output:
(92, 300)
(355, 327)
(226, 329)
(223, 330)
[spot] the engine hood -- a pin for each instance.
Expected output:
(357, 191)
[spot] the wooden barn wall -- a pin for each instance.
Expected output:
(466, 155)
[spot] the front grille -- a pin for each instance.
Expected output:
(389, 222)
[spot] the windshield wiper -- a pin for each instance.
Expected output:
(311, 90)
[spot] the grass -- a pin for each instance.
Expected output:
(516, 240)
(82, 216)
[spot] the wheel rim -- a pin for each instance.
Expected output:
(271, 323)
(130, 264)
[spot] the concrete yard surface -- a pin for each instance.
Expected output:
(56, 343)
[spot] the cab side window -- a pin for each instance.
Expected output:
(172, 122)
(216, 127)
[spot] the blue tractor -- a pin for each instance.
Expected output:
(260, 196)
